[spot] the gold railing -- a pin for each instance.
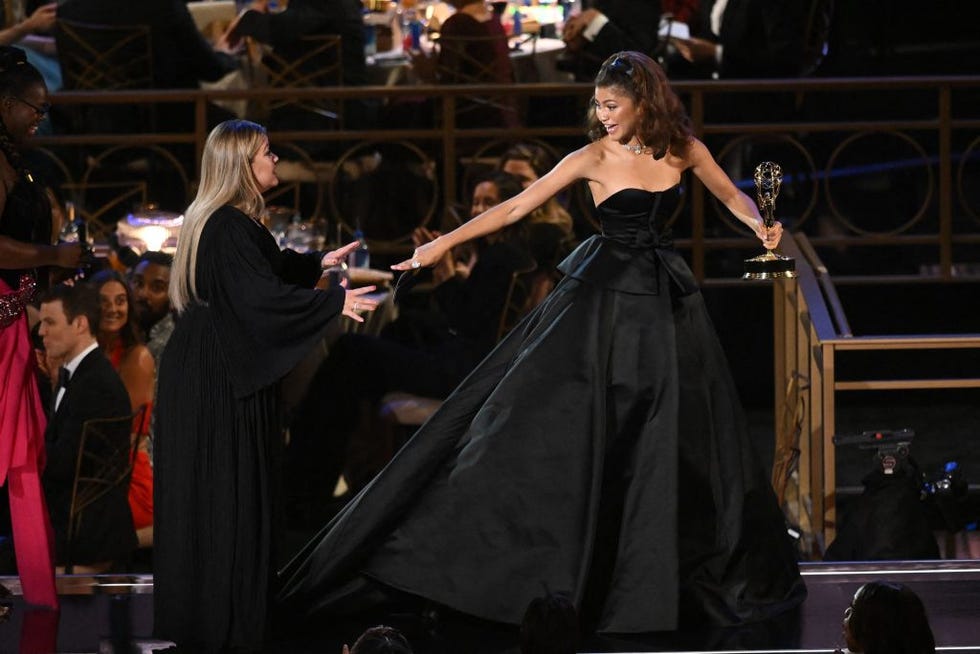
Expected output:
(883, 165)
(812, 332)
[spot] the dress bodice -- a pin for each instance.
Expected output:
(632, 248)
(631, 216)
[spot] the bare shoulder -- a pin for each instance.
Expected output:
(138, 357)
(588, 159)
(586, 156)
(696, 154)
(578, 164)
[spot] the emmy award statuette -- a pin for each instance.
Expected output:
(768, 177)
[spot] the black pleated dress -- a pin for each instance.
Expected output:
(219, 432)
(599, 450)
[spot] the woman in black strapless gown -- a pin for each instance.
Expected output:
(600, 449)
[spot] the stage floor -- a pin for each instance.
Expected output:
(114, 614)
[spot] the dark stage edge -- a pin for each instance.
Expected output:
(114, 613)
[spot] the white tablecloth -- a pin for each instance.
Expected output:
(533, 62)
(205, 12)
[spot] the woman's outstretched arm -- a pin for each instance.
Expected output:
(568, 170)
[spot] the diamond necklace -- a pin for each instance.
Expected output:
(635, 149)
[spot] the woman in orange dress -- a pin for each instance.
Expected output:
(119, 339)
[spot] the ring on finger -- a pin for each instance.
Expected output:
(416, 263)
(355, 306)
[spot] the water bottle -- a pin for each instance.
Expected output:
(370, 38)
(76, 231)
(415, 30)
(361, 257)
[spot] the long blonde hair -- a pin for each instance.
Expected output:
(226, 179)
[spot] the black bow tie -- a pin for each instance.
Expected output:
(64, 376)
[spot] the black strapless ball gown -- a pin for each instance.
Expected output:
(599, 450)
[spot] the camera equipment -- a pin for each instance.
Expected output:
(895, 516)
(889, 519)
(891, 446)
(947, 493)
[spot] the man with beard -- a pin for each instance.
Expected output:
(150, 281)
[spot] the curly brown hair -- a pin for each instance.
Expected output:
(664, 124)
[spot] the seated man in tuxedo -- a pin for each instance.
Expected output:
(605, 27)
(88, 388)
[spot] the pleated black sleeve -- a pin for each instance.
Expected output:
(265, 320)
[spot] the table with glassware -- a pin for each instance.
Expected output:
(534, 60)
(534, 50)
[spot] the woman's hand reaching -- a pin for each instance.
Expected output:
(445, 268)
(356, 301)
(426, 255)
(336, 257)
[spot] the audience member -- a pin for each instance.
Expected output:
(181, 55)
(283, 30)
(550, 626)
(380, 640)
(887, 618)
(529, 161)
(33, 35)
(473, 49)
(549, 228)
(150, 286)
(426, 352)
(682, 11)
(120, 339)
(488, 191)
(744, 38)
(150, 283)
(606, 27)
(88, 388)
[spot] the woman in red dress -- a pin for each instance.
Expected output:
(119, 339)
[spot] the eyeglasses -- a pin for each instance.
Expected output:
(622, 65)
(41, 111)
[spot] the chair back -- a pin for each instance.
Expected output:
(316, 60)
(473, 60)
(106, 453)
(104, 57)
(517, 302)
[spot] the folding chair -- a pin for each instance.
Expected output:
(105, 462)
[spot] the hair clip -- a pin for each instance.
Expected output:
(622, 65)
